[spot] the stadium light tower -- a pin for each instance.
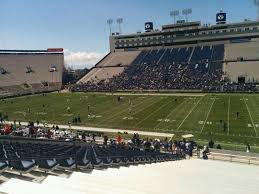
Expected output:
(186, 12)
(110, 22)
(119, 22)
(174, 14)
(256, 2)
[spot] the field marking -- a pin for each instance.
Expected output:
(189, 113)
(107, 106)
(109, 118)
(228, 115)
(140, 110)
(145, 107)
(250, 117)
(95, 102)
(152, 113)
(208, 114)
(174, 110)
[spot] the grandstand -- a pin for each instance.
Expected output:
(34, 159)
(111, 65)
(29, 72)
(24, 155)
(182, 56)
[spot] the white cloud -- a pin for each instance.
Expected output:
(78, 60)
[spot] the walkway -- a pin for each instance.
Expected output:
(105, 130)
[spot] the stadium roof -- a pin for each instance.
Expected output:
(197, 24)
(49, 50)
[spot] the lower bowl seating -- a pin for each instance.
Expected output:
(49, 164)
(22, 165)
(25, 156)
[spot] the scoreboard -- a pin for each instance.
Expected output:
(149, 26)
(221, 18)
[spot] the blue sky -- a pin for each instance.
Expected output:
(80, 25)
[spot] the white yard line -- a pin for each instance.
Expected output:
(208, 115)
(120, 111)
(250, 116)
(139, 110)
(173, 111)
(152, 113)
(228, 114)
(189, 113)
(145, 107)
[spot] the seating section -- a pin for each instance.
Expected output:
(24, 90)
(152, 56)
(26, 156)
(201, 54)
(186, 68)
(118, 59)
(25, 73)
(111, 65)
(177, 55)
(98, 74)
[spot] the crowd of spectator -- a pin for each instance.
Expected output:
(241, 87)
(183, 147)
(32, 130)
(159, 77)
(177, 69)
(167, 77)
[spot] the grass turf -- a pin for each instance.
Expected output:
(208, 116)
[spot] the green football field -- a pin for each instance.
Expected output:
(226, 118)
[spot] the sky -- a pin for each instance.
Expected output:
(80, 26)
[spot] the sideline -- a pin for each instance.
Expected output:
(155, 94)
(95, 129)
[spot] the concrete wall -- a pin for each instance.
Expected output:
(15, 65)
(13, 82)
(247, 69)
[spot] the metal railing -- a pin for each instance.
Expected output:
(234, 158)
